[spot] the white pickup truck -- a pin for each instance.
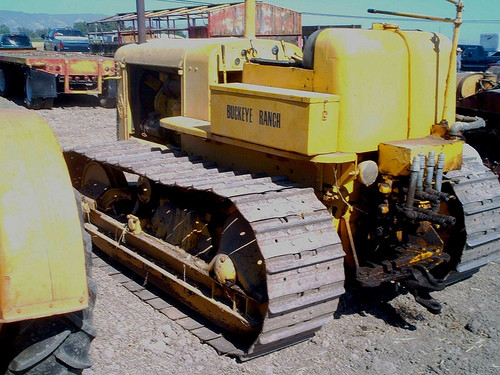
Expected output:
(66, 40)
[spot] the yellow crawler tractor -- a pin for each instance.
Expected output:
(252, 177)
(45, 303)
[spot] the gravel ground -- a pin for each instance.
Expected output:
(370, 334)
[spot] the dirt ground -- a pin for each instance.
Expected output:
(372, 333)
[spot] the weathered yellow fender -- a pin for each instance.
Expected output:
(42, 262)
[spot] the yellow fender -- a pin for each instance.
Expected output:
(42, 261)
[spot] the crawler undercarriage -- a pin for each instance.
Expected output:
(259, 256)
(286, 252)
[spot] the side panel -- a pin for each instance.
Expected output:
(42, 264)
(291, 120)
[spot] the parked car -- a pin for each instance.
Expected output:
(475, 58)
(67, 40)
(15, 41)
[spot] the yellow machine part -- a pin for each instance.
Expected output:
(291, 120)
(199, 64)
(42, 262)
(396, 157)
(279, 76)
(468, 84)
(404, 96)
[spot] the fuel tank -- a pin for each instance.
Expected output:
(401, 101)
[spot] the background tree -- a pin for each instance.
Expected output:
(40, 32)
(102, 26)
(81, 26)
(29, 32)
(4, 29)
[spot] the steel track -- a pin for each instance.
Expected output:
(478, 190)
(295, 234)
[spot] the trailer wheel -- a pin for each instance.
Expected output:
(34, 102)
(48, 103)
(5, 86)
(54, 345)
(31, 102)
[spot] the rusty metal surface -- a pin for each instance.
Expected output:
(51, 54)
(270, 20)
(302, 252)
(484, 102)
(204, 21)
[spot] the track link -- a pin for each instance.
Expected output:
(295, 234)
(478, 190)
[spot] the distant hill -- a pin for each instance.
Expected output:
(36, 21)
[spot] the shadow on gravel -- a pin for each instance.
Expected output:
(63, 101)
(375, 302)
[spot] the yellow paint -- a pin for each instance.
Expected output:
(100, 68)
(387, 84)
(224, 269)
(187, 125)
(250, 18)
(396, 157)
(134, 224)
(42, 264)
(420, 257)
(123, 106)
(198, 63)
(80, 67)
(202, 129)
(239, 157)
(468, 84)
(278, 76)
(427, 81)
(293, 120)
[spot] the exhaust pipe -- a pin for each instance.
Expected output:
(141, 21)
(249, 19)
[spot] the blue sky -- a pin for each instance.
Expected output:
(480, 16)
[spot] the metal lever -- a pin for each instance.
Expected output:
(411, 15)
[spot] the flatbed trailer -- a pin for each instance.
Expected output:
(41, 75)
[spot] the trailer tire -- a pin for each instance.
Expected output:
(5, 82)
(48, 103)
(57, 344)
(32, 82)
(35, 102)
(31, 102)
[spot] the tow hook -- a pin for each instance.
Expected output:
(421, 285)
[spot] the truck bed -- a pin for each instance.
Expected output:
(24, 56)
(42, 75)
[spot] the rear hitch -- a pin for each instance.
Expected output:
(420, 287)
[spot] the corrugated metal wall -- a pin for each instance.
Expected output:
(270, 21)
